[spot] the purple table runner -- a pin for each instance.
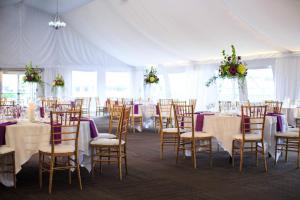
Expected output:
(3, 130)
(42, 112)
(279, 126)
(200, 120)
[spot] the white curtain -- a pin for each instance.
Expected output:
(286, 76)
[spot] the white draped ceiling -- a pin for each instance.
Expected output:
(142, 32)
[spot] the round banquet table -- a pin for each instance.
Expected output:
(27, 137)
(225, 127)
(291, 114)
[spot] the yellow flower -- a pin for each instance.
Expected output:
(152, 79)
(241, 69)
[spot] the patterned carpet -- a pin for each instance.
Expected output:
(152, 178)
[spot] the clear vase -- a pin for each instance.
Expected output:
(33, 89)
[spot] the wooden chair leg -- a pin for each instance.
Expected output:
(120, 165)
(161, 145)
(276, 147)
(210, 153)
(51, 174)
(178, 148)
(232, 153)
(264, 156)
(256, 153)
(78, 171)
(92, 162)
(241, 155)
(125, 160)
(40, 170)
(194, 154)
(298, 155)
(70, 171)
(14, 169)
(286, 149)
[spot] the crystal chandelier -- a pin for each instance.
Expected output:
(56, 22)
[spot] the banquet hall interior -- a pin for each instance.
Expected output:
(149, 99)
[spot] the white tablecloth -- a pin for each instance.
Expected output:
(26, 138)
(223, 128)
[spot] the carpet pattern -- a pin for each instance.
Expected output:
(152, 178)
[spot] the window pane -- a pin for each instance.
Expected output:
(260, 84)
(118, 84)
(84, 84)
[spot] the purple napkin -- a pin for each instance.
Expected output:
(247, 124)
(200, 120)
(3, 130)
(279, 126)
(136, 109)
(57, 134)
(42, 112)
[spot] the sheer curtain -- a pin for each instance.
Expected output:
(286, 76)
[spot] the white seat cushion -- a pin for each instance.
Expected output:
(60, 148)
(248, 136)
(293, 130)
(106, 135)
(107, 142)
(197, 134)
(170, 130)
(5, 149)
(287, 134)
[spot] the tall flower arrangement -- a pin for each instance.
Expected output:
(58, 81)
(231, 67)
(151, 76)
(32, 75)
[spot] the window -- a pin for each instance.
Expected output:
(178, 85)
(118, 84)
(260, 84)
(84, 84)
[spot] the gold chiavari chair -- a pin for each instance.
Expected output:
(273, 106)
(168, 136)
(193, 102)
(100, 109)
(252, 125)
(190, 139)
(64, 107)
(288, 142)
(165, 106)
(227, 105)
(6, 102)
(112, 150)
(64, 144)
(49, 104)
(86, 106)
(135, 118)
(78, 104)
(114, 118)
(7, 166)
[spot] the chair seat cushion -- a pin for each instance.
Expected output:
(287, 134)
(5, 149)
(293, 130)
(106, 135)
(136, 115)
(170, 130)
(107, 142)
(197, 134)
(249, 136)
(60, 148)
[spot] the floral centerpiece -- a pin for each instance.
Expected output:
(231, 67)
(151, 76)
(32, 75)
(58, 81)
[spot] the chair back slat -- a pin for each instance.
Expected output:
(64, 127)
(184, 118)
